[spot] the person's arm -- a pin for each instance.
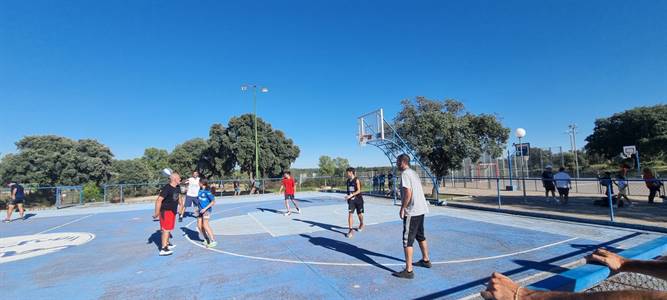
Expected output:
(210, 204)
(158, 205)
(502, 288)
(14, 194)
(357, 189)
(617, 263)
(281, 187)
(407, 196)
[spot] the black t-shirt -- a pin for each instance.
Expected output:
(20, 194)
(170, 195)
(352, 187)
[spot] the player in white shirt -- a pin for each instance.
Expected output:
(191, 196)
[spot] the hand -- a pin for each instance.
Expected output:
(202, 211)
(610, 259)
(500, 287)
(155, 215)
(401, 213)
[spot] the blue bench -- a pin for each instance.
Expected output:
(588, 275)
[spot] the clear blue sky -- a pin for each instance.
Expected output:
(136, 74)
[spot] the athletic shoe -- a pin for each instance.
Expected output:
(404, 274)
(6, 220)
(287, 213)
(212, 244)
(180, 219)
(424, 264)
(165, 252)
(361, 228)
(298, 211)
(171, 247)
(349, 235)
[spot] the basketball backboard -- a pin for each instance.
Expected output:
(371, 127)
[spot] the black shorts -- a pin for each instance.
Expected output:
(289, 196)
(355, 204)
(550, 188)
(16, 201)
(564, 191)
(413, 228)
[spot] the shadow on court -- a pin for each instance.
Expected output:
(275, 211)
(28, 216)
(351, 250)
(324, 226)
(155, 238)
(530, 265)
(191, 234)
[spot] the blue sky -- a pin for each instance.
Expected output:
(136, 74)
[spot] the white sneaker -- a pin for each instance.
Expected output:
(171, 247)
(165, 252)
(287, 213)
(212, 244)
(298, 211)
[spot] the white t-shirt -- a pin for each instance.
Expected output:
(418, 205)
(562, 180)
(193, 187)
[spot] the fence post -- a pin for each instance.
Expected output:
(81, 195)
(611, 204)
(498, 189)
(122, 196)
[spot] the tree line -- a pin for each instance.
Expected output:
(53, 160)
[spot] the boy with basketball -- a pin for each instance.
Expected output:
(290, 189)
(354, 201)
(206, 202)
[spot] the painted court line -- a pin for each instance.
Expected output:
(261, 225)
(63, 225)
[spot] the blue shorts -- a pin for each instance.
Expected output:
(189, 201)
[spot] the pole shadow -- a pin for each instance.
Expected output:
(324, 226)
(191, 234)
(351, 250)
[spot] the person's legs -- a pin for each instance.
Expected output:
(423, 246)
(350, 223)
(20, 206)
(651, 194)
(361, 221)
(408, 258)
(291, 197)
(165, 238)
(10, 211)
(200, 229)
(287, 208)
(207, 228)
(567, 195)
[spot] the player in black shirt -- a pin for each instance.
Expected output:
(17, 199)
(166, 206)
(354, 201)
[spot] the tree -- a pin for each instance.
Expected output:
(220, 155)
(130, 171)
(327, 166)
(54, 160)
(236, 144)
(156, 160)
(645, 127)
(341, 165)
(443, 134)
(190, 156)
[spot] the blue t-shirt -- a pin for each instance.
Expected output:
(205, 198)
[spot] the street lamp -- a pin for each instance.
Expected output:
(245, 88)
(520, 134)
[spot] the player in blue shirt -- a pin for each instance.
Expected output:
(206, 202)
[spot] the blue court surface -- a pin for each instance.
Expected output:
(111, 252)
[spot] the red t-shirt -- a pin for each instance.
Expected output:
(288, 183)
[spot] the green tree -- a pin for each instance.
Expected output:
(327, 166)
(220, 154)
(443, 134)
(645, 127)
(237, 143)
(190, 156)
(341, 165)
(156, 160)
(130, 171)
(54, 160)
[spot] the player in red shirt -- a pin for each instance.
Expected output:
(290, 189)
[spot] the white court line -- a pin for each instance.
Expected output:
(63, 225)
(366, 264)
(261, 225)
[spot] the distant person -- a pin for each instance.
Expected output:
(355, 201)
(290, 189)
(652, 183)
(413, 209)
(205, 202)
(548, 182)
(390, 182)
(254, 187)
(375, 183)
(237, 188)
(191, 196)
(500, 287)
(622, 196)
(381, 183)
(166, 206)
(605, 181)
(563, 184)
(17, 197)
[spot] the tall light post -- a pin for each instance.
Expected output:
(520, 134)
(244, 88)
(573, 142)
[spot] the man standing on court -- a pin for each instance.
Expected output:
(166, 206)
(563, 183)
(355, 201)
(17, 199)
(290, 189)
(191, 196)
(413, 209)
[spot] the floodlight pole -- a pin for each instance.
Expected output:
(523, 173)
(254, 104)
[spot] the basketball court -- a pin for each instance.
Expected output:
(110, 251)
